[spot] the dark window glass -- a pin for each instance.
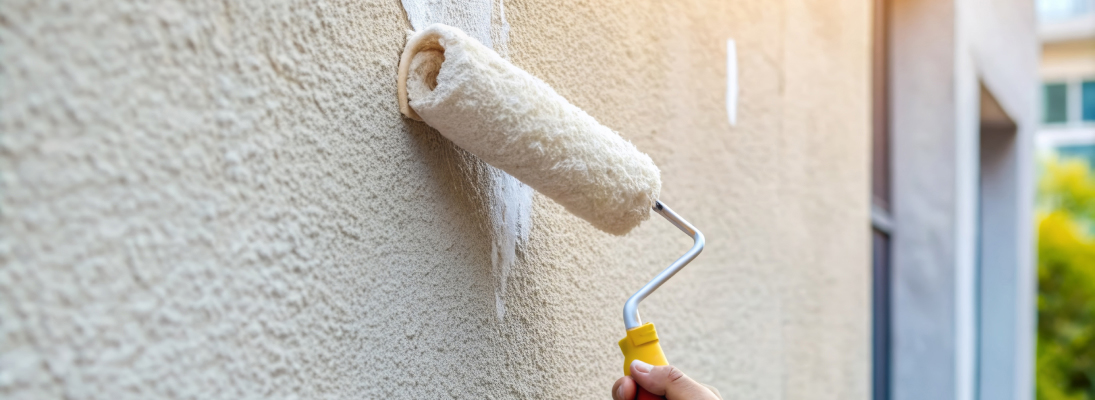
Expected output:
(880, 316)
(1088, 95)
(1055, 103)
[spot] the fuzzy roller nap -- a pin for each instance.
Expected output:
(517, 123)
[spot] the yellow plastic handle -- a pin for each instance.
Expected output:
(642, 344)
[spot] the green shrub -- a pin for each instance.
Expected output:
(1066, 282)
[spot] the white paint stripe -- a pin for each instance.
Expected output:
(471, 16)
(731, 82)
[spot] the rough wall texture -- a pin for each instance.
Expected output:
(213, 199)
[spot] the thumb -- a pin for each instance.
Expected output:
(668, 381)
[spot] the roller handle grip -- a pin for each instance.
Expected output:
(642, 344)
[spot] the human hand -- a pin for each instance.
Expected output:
(660, 382)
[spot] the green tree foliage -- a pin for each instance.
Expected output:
(1066, 282)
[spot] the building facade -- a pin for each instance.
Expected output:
(953, 192)
(1067, 74)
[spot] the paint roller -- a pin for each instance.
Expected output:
(517, 123)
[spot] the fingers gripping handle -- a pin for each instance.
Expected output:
(642, 344)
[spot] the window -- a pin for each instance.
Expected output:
(1087, 105)
(1055, 103)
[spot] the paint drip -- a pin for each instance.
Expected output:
(508, 201)
(510, 220)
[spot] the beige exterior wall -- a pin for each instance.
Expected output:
(1068, 60)
(221, 200)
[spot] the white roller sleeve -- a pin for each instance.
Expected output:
(517, 123)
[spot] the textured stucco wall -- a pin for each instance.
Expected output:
(220, 200)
